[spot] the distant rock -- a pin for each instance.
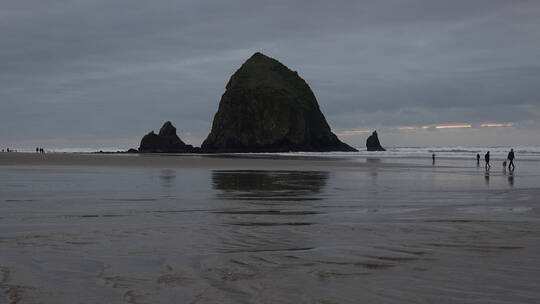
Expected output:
(166, 141)
(373, 144)
(267, 107)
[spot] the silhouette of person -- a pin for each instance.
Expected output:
(477, 158)
(511, 157)
(486, 158)
(433, 157)
(37, 150)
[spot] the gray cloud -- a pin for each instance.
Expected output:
(92, 72)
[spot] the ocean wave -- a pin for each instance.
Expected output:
(522, 152)
(459, 152)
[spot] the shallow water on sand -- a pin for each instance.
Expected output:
(451, 233)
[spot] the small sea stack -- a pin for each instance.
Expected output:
(267, 107)
(373, 144)
(166, 141)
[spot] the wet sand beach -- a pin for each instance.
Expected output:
(121, 228)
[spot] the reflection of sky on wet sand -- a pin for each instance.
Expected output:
(269, 236)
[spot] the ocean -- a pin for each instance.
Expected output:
(458, 152)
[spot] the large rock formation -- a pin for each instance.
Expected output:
(166, 141)
(373, 144)
(268, 108)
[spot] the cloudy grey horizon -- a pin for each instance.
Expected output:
(83, 73)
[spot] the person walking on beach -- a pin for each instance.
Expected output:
(486, 158)
(510, 157)
(433, 157)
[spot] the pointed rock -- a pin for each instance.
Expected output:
(373, 144)
(267, 107)
(168, 130)
(166, 141)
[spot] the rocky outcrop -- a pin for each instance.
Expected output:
(166, 141)
(373, 144)
(267, 107)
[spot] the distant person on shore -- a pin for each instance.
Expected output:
(37, 150)
(433, 157)
(477, 158)
(511, 157)
(486, 158)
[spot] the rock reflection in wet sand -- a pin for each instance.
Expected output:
(167, 178)
(273, 208)
(269, 185)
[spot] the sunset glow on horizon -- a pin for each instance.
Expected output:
(497, 125)
(453, 126)
(353, 132)
(430, 127)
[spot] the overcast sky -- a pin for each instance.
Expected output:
(102, 73)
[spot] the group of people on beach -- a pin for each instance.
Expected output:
(38, 150)
(509, 160)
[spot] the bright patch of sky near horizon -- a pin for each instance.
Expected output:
(103, 73)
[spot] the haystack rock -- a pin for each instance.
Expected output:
(373, 144)
(267, 107)
(166, 141)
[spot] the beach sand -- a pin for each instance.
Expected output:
(189, 161)
(123, 228)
